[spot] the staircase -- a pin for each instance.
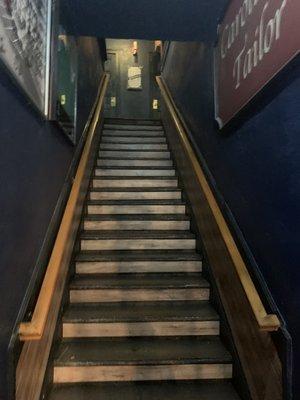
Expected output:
(139, 324)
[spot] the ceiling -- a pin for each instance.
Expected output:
(190, 20)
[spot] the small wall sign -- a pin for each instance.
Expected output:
(256, 39)
(134, 78)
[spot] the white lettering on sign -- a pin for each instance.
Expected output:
(266, 34)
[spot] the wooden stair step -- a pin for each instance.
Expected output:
(135, 182)
(133, 162)
(133, 139)
(137, 240)
(138, 287)
(128, 127)
(133, 147)
(136, 207)
(140, 319)
(135, 155)
(134, 172)
(175, 390)
(135, 133)
(138, 194)
(138, 261)
(141, 359)
(137, 222)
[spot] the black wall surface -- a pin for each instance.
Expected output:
(143, 19)
(35, 158)
(131, 103)
(256, 168)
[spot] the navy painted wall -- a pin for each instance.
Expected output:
(35, 158)
(143, 19)
(256, 168)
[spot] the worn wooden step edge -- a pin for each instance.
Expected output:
(72, 374)
(123, 267)
(137, 329)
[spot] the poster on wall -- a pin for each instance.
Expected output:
(256, 40)
(25, 30)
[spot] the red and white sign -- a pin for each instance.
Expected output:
(256, 39)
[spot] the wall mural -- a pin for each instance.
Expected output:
(25, 44)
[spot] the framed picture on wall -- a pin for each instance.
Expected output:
(25, 41)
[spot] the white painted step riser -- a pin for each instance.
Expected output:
(136, 244)
(137, 172)
(118, 295)
(118, 133)
(133, 140)
(133, 163)
(125, 267)
(139, 209)
(136, 329)
(135, 183)
(77, 374)
(135, 195)
(136, 155)
(137, 225)
(136, 147)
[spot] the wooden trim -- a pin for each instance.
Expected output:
(266, 322)
(34, 329)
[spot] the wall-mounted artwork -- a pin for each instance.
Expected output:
(25, 31)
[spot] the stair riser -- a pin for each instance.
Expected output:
(145, 128)
(136, 155)
(119, 133)
(135, 329)
(132, 172)
(133, 140)
(117, 373)
(175, 209)
(117, 295)
(136, 225)
(136, 244)
(125, 267)
(134, 163)
(136, 147)
(138, 183)
(176, 195)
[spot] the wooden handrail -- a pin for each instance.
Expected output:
(266, 322)
(34, 329)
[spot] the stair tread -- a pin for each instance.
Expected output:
(133, 121)
(139, 281)
(137, 217)
(133, 127)
(140, 312)
(134, 178)
(139, 255)
(143, 351)
(167, 168)
(168, 202)
(109, 158)
(176, 390)
(137, 189)
(139, 235)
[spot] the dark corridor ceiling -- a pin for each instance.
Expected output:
(143, 19)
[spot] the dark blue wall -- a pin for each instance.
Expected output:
(35, 158)
(256, 167)
(143, 19)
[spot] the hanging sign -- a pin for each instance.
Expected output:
(256, 39)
